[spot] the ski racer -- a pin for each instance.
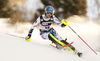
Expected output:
(46, 30)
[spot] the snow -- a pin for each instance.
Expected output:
(17, 49)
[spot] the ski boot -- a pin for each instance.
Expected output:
(58, 46)
(69, 45)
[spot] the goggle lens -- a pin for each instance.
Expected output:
(49, 13)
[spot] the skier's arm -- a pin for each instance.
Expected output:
(58, 22)
(33, 26)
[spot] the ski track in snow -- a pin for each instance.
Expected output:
(17, 49)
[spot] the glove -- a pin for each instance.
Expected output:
(64, 21)
(27, 38)
(63, 25)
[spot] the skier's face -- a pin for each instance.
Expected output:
(48, 14)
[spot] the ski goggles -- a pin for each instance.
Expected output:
(49, 13)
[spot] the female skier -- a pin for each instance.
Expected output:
(46, 30)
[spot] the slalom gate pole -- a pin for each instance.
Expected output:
(66, 23)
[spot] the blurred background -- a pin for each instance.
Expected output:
(29, 10)
(17, 16)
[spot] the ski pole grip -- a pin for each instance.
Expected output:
(65, 22)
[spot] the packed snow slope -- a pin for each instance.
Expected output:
(17, 49)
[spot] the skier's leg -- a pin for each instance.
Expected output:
(73, 48)
(46, 35)
(58, 45)
(65, 42)
(56, 35)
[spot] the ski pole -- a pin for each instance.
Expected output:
(15, 35)
(66, 23)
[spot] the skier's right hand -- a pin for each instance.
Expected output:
(27, 38)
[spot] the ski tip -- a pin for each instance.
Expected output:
(50, 44)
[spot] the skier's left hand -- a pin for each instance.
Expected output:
(63, 25)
